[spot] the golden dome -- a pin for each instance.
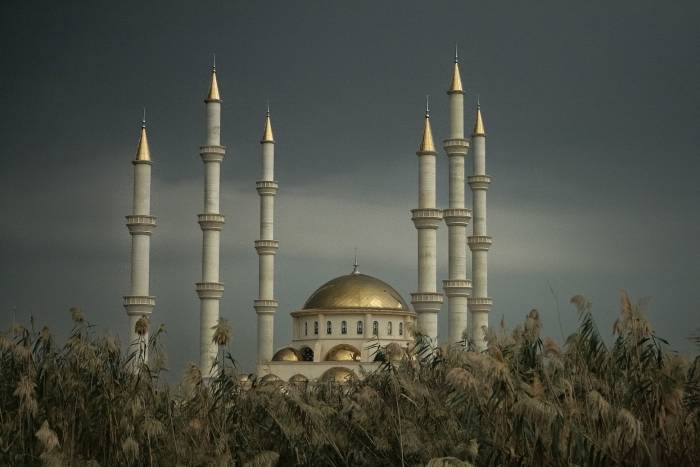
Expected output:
(338, 374)
(343, 353)
(356, 291)
(287, 354)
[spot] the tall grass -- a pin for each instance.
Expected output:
(524, 401)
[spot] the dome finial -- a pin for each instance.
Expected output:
(143, 153)
(355, 264)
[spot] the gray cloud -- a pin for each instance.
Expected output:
(592, 117)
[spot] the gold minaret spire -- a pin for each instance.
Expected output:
(479, 124)
(142, 152)
(214, 87)
(427, 144)
(267, 132)
(456, 85)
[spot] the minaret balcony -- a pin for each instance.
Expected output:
(139, 304)
(210, 289)
(266, 187)
(426, 302)
(457, 287)
(427, 218)
(457, 216)
(267, 247)
(211, 221)
(212, 153)
(141, 224)
(479, 182)
(479, 242)
(480, 304)
(456, 147)
(265, 306)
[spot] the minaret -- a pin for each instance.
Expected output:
(210, 289)
(427, 301)
(479, 243)
(141, 223)
(266, 304)
(457, 287)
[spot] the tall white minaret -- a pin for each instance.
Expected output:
(266, 304)
(141, 223)
(479, 243)
(427, 300)
(210, 289)
(457, 287)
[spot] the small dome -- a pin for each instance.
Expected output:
(269, 378)
(358, 291)
(298, 378)
(343, 353)
(287, 354)
(338, 374)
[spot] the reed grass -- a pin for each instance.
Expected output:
(524, 401)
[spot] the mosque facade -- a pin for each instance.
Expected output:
(344, 326)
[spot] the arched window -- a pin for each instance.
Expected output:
(343, 327)
(375, 328)
(329, 327)
(389, 327)
(316, 327)
(306, 328)
(360, 327)
(400, 329)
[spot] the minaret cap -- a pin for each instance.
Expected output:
(456, 85)
(479, 123)
(214, 87)
(267, 132)
(143, 153)
(427, 144)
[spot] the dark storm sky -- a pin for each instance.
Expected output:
(591, 108)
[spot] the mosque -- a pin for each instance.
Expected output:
(337, 331)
